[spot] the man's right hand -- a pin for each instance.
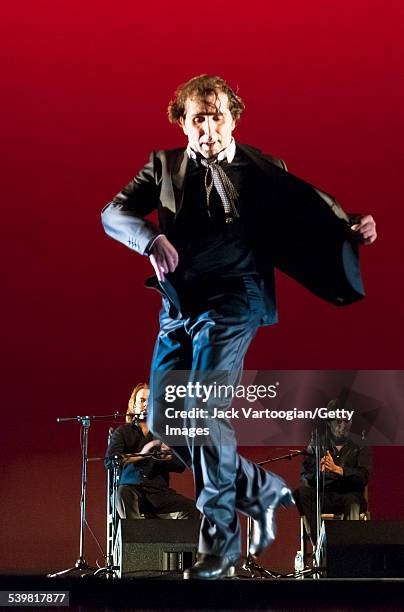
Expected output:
(151, 446)
(148, 448)
(163, 257)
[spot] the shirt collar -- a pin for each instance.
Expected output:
(227, 153)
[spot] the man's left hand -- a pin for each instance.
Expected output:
(365, 229)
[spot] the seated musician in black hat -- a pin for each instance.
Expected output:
(345, 467)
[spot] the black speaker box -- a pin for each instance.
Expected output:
(154, 545)
(364, 549)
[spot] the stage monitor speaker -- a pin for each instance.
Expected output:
(364, 549)
(155, 545)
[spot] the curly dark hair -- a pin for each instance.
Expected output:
(202, 87)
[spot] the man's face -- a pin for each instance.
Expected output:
(142, 401)
(340, 428)
(208, 124)
(140, 405)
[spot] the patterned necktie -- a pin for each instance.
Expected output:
(217, 177)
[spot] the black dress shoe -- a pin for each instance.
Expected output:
(210, 567)
(264, 527)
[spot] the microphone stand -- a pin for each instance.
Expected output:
(317, 452)
(81, 566)
(320, 533)
(110, 570)
(250, 565)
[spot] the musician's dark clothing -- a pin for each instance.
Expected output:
(222, 291)
(143, 487)
(338, 494)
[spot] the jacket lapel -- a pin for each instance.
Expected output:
(174, 169)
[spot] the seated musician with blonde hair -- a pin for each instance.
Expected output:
(143, 487)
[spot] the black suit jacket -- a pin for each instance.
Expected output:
(295, 227)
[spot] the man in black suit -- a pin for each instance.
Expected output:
(225, 215)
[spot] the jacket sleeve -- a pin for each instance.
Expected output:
(361, 472)
(308, 468)
(175, 465)
(123, 217)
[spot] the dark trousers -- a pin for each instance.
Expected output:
(348, 504)
(135, 501)
(213, 336)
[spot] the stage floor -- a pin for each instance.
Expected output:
(170, 592)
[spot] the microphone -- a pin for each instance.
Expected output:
(141, 416)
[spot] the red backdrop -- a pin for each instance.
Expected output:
(85, 87)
